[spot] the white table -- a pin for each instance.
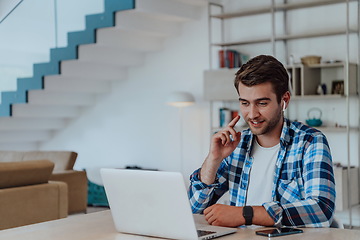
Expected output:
(99, 225)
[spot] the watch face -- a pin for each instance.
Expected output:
(247, 211)
(248, 214)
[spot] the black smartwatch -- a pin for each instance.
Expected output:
(248, 214)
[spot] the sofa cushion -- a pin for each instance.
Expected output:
(64, 160)
(15, 174)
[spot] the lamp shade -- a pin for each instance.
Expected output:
(180, 99)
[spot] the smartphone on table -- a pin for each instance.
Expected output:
(275, 232)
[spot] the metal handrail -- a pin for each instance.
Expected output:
(13, 9)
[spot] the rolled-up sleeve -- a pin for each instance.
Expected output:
(202, 195)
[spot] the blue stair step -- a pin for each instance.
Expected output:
(42, 69)
(25, 84)
(61, 54)
(99, 21)
(114, 6)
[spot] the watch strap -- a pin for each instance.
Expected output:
(248, 214)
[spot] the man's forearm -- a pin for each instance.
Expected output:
(262, 217)
(208, 171)
(232, 216)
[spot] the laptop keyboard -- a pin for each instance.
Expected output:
(203, 233)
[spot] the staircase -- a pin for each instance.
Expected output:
(112, 43)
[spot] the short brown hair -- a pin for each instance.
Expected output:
(261, 69)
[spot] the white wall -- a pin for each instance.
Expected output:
(133, 125)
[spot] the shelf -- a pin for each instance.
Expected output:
(243, 42)
(279, 7)
(314, 35)
(318, 97)
(243, 13)
(337, 129)
(282, 38)
(296, 65)
(293, 6)
(329, 65)
(321, 65)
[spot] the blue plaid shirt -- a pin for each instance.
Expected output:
(303, 191)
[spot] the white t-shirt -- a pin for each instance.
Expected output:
(262, 174)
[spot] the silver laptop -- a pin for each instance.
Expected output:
(153, 203)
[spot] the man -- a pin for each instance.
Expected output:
(277, 172)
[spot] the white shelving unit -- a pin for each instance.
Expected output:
(282, 8)
(305, 79)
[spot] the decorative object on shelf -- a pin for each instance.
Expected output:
(337, 87)
(321, 89)
(324, 88)
(309, 60)
(312, 121)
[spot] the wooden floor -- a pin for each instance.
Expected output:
(96, 209)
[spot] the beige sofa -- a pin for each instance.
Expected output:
(63, 171)
(27, 196)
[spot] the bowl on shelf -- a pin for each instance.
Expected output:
(309, 60)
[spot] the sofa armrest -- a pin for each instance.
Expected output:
(63, 198)
(77, 188)
(25, 205)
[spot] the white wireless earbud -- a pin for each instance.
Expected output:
(284, 106)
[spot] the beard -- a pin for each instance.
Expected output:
(267, 125)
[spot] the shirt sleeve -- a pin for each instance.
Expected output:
(316, 207)
(202, 195)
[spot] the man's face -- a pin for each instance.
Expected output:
(260, 109)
